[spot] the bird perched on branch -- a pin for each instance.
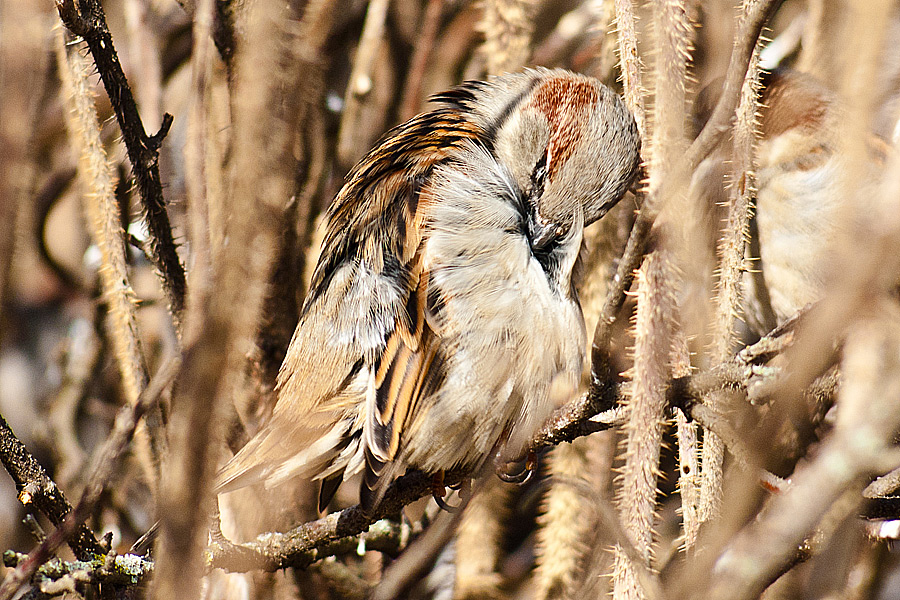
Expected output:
(442, 317)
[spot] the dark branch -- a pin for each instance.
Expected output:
(89, 22)
(35, 487)
(71, 526)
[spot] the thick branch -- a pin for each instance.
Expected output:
(312, 541)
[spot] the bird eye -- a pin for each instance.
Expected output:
(560, 231)
(539, 174)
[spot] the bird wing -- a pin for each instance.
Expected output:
(362, 353)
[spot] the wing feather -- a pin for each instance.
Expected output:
(361, 351)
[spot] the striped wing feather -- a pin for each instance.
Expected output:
(374, 229)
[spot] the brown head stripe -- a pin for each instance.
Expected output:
(560, 100)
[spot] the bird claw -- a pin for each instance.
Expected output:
(438, 491)
(442, 504)
(523, 476)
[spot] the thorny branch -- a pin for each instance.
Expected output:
(749, 30)
(88, 21)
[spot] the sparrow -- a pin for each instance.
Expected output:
(798, 197)
(800, 173)
(442, 318)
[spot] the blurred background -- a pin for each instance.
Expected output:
(361, 67)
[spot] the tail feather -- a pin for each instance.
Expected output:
(328, 489)
(377, 477)
(271, 457)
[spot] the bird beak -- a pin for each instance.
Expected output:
(542, 232)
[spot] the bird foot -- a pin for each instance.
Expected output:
(521, 477)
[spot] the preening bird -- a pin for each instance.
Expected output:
(442, 315)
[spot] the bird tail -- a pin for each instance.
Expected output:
(271, 456)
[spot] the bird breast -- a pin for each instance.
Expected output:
(512, 328)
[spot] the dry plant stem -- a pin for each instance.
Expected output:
(630, 66)
(263, 166)
(412, 566)
(479, 540)
(748, 32)
(579, 418)
(195, 153)
(630, 63)
(89, 22)
(733, 241)
(24, 77)
(656, 303)
(342, 582)
(732, 248)
(361, 82)
(637, 492)
(281, 307)
(688, 450)
(563, 526)
(102, 215)
(819, 55)
(83, 352)
(507, 26)
(103, 465)
(412, 91)
(867, 419)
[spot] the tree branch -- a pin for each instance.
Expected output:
(103, 464)
(35, 487)
(89, 22)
